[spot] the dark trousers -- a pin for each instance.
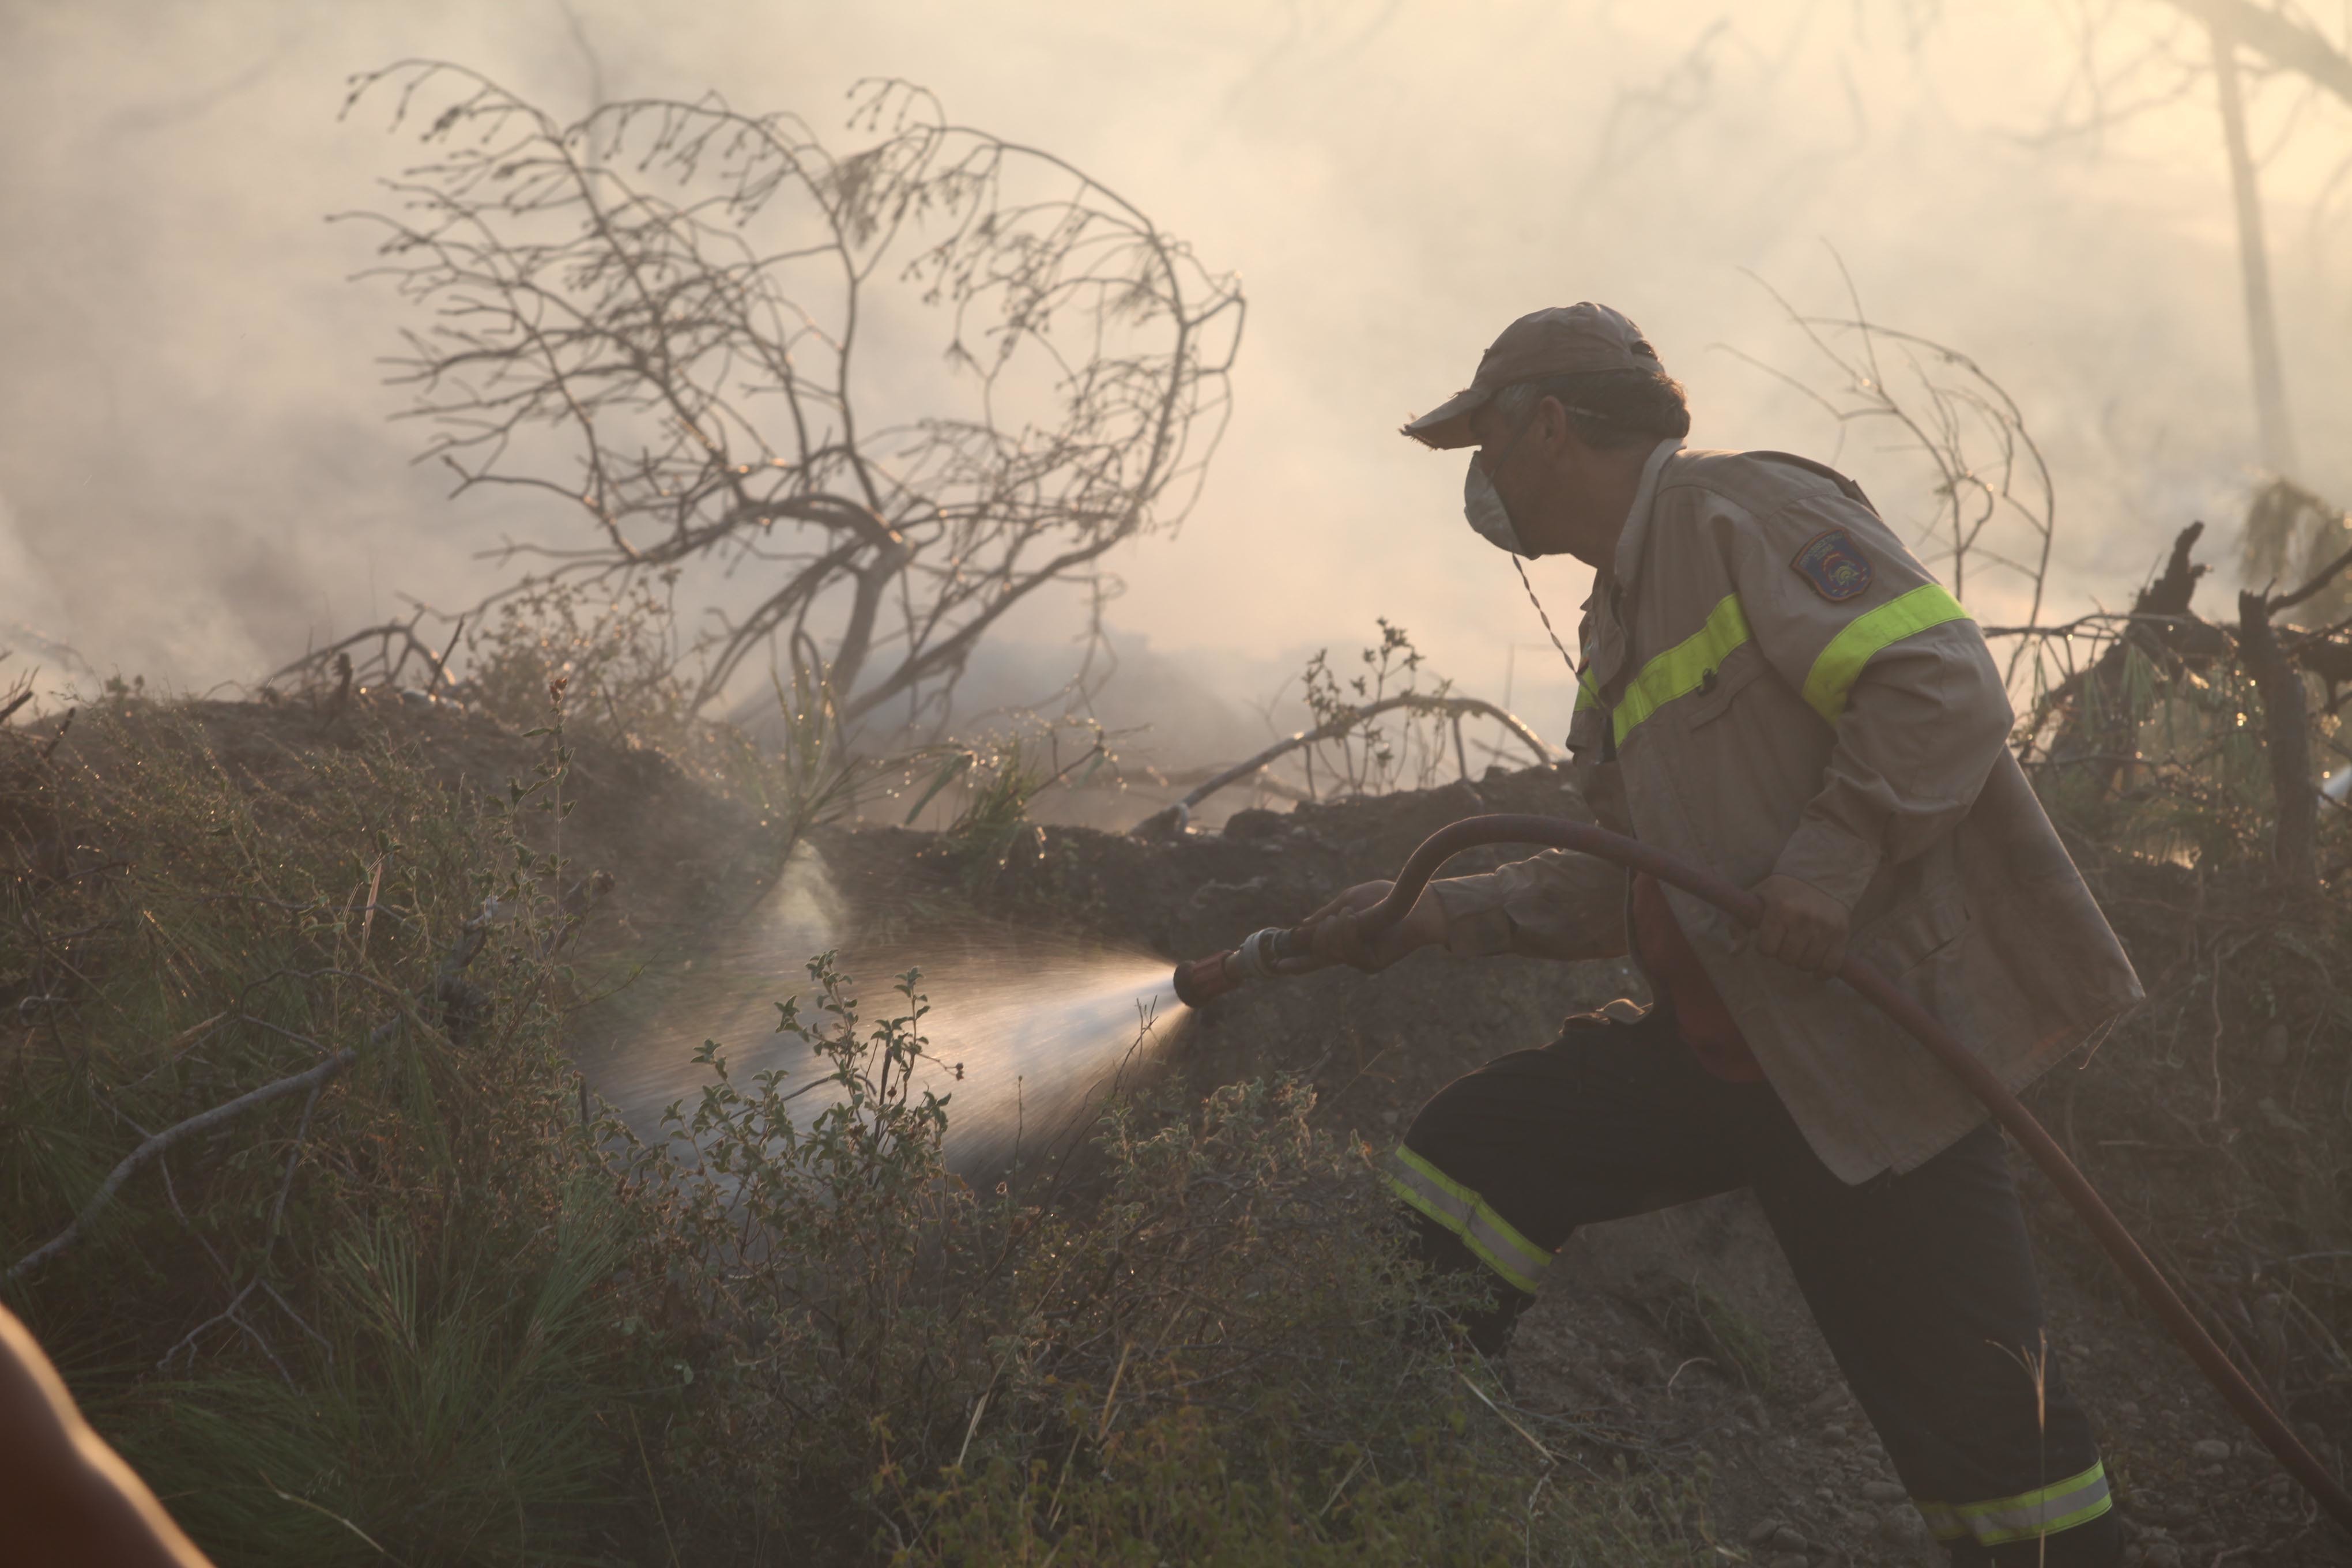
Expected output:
(1923, 1284)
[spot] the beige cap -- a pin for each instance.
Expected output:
(1563, 340)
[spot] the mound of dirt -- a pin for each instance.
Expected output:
(679, 853)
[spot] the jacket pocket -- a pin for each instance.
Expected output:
(1720, 687)
(1909, 936)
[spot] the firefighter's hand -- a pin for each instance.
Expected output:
(1802, 926)
(1336, 931)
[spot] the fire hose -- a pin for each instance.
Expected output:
(1279, 952)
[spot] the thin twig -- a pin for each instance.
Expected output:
(2319, 580)
(2222, 955)
(131, 1162)
(1345, 723)
(339, 1519)
(269, 1240)
(1350, 1476)
(1550, 1457)
(468, 943)
(441, 665)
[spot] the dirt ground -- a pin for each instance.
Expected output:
(1676, 1340)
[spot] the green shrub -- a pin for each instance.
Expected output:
(1217, 1350)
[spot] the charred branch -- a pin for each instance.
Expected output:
(1451, 708)
(2286, 732)
(2092, 707)
(378, 666)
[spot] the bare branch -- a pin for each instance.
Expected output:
(1986, 469)
(2284, 40)
(388, 635)
(1415, 701)
(657, 317)
(131, 1163)
(2319, 580)
(453, 964)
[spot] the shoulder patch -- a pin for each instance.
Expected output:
(1832, 565)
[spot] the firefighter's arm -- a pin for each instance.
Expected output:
(1555, 905)
(65, 1496)
(1894, 665)
(1558, 905)
(1336, 932)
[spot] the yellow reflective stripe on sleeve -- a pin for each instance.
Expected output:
(1466, 1215)
(1683, 668)
(2078, 1500)
(1840, 664)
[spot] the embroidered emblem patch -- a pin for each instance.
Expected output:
(1831, 565)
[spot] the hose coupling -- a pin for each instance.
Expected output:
(1260, 956)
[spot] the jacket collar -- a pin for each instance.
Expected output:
(1637, 518)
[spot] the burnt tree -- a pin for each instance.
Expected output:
(2277, 665)
(859, 402)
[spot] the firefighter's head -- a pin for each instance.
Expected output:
(1564, 410)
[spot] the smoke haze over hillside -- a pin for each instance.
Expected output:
(197, 477)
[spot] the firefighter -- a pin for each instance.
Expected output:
(1771, 685)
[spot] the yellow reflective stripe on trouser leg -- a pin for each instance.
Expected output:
(1840, 664)
(1469, 1217)
(1683, 668)
(2077, 1499)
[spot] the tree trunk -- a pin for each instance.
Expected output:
(2253, 258)
(2285, 41)
(2286, 734)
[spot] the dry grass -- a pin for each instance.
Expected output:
(441, 1313)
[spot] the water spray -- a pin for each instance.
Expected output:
(1280, 952)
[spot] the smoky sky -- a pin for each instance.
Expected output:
(198, 474)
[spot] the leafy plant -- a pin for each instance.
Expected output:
(1220, 1350)
(1371, 737)
(998, 783)
(616, 652)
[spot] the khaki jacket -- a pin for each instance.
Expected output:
(1772, 683)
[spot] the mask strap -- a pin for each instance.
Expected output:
(1608, 737)
(1574, 673)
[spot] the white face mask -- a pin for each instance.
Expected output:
(1482, 505)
